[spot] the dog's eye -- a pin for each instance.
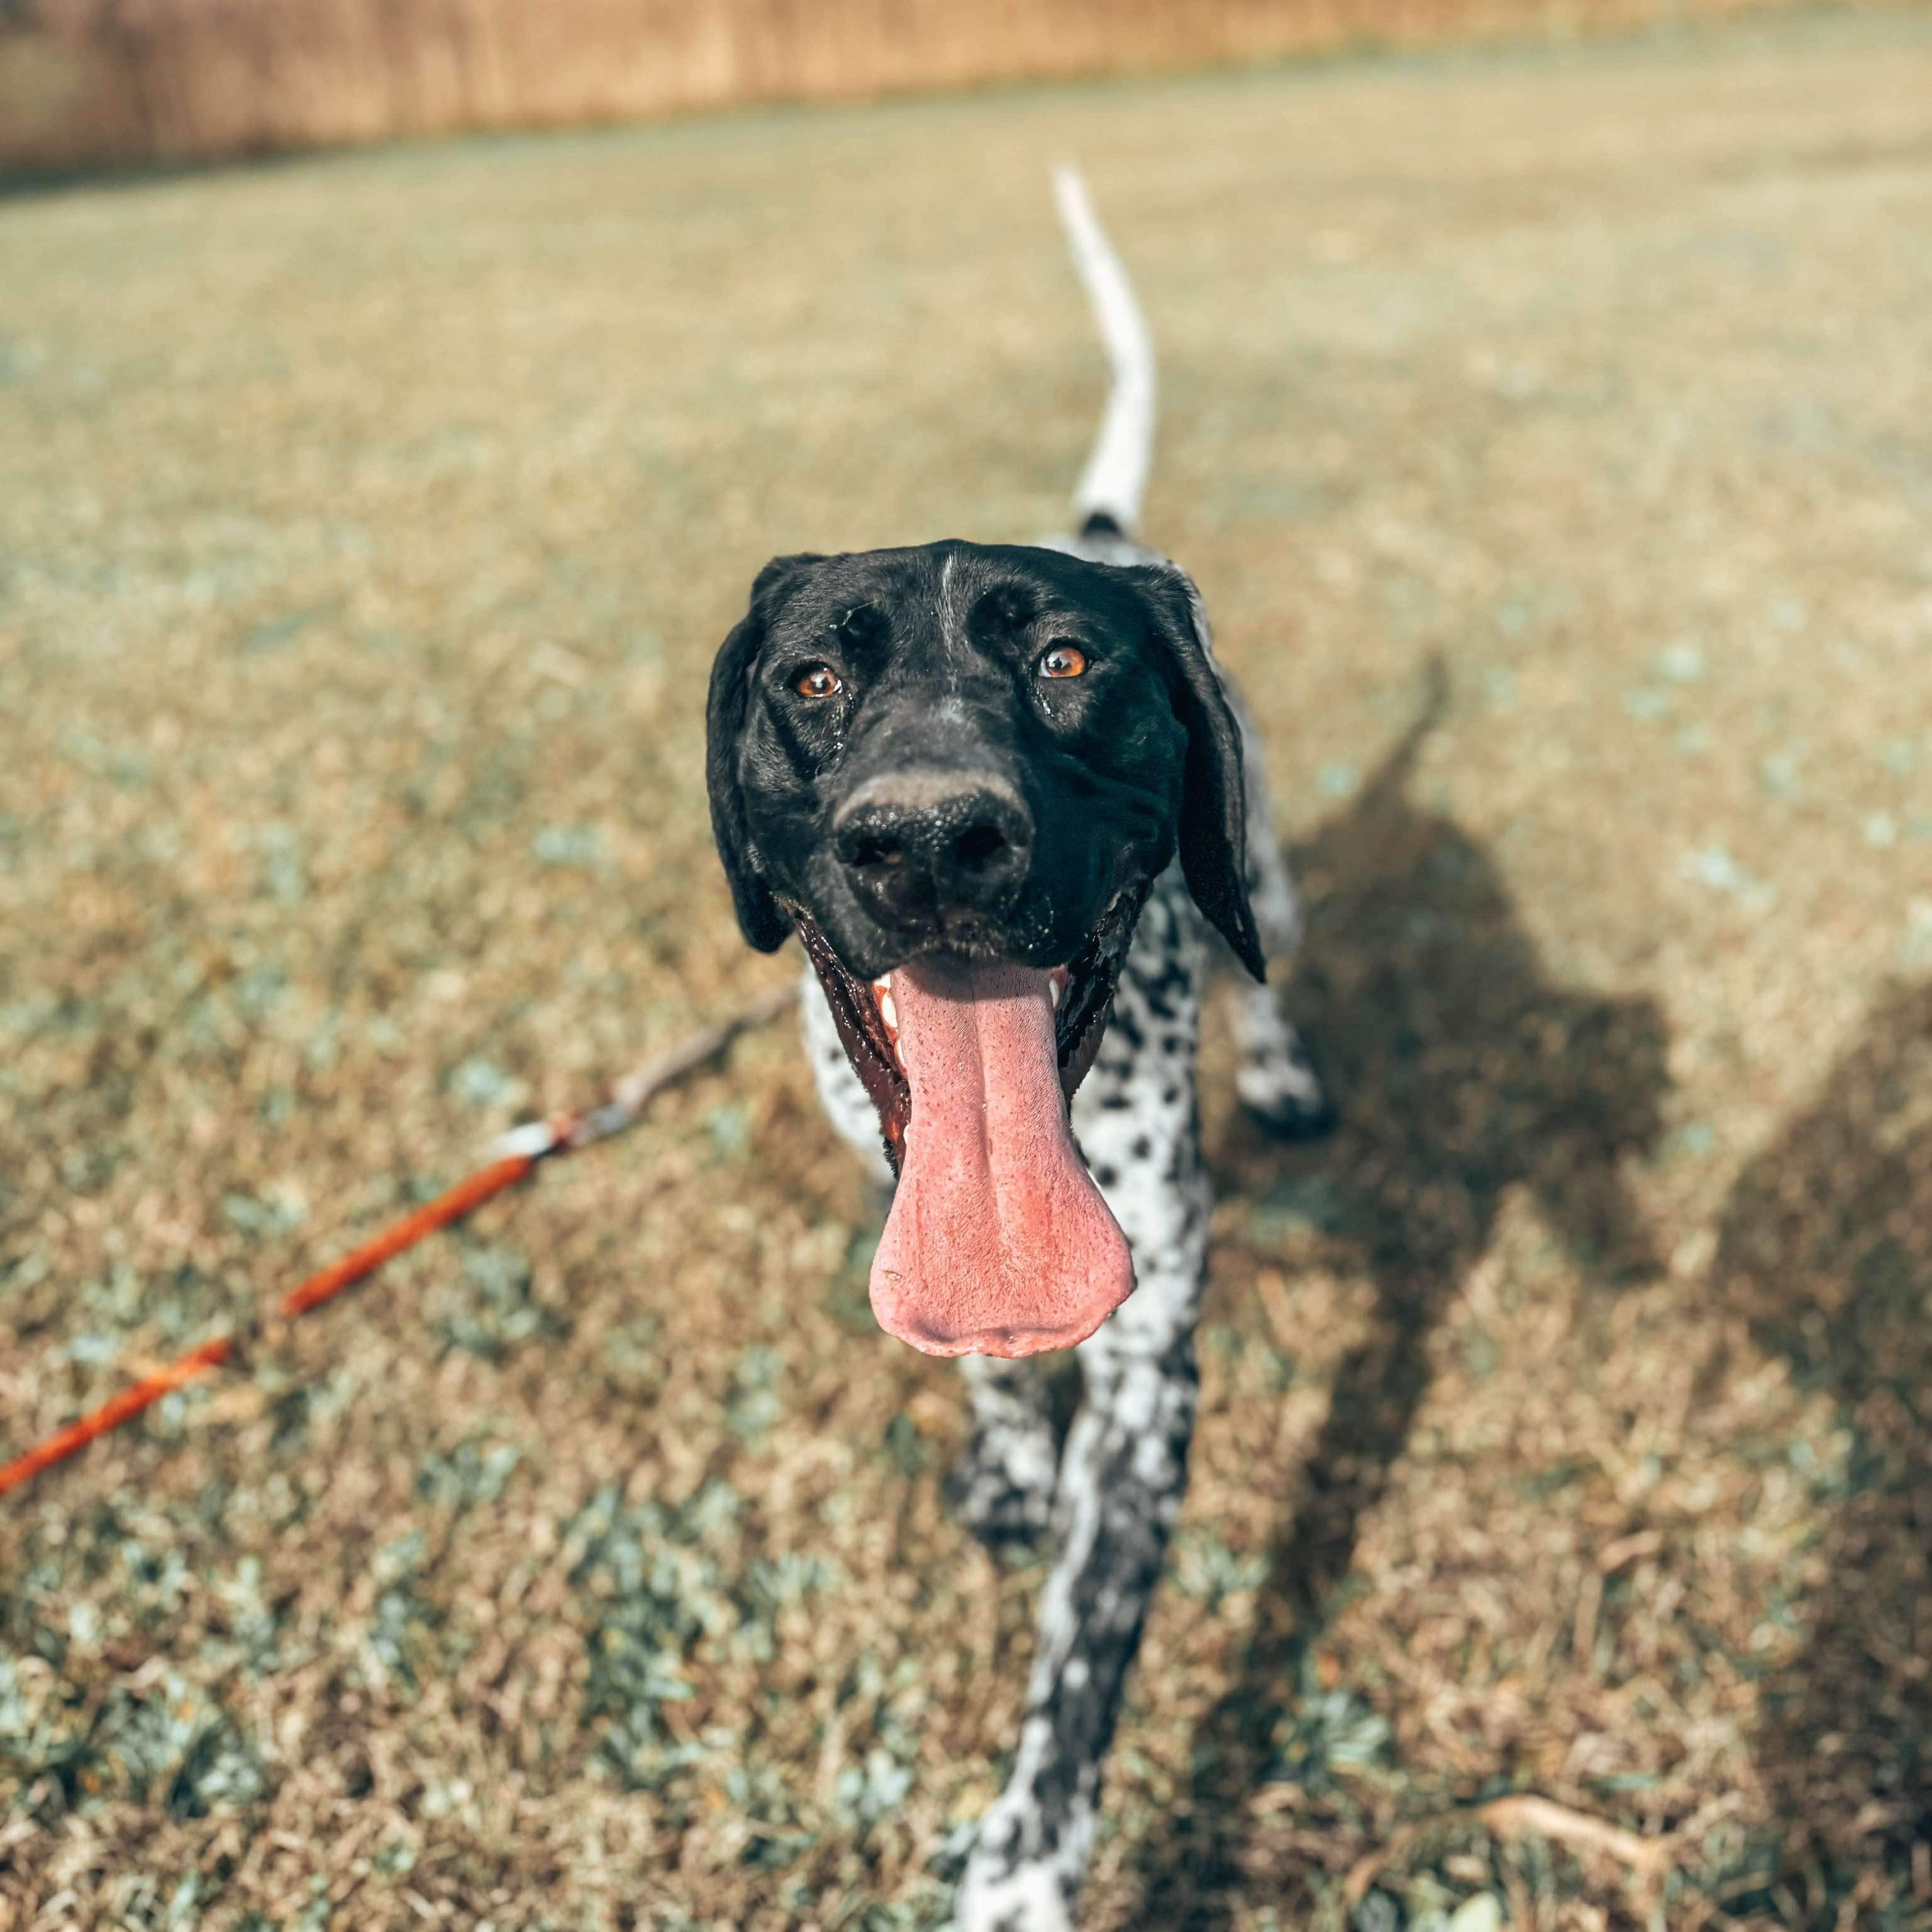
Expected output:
(1062, 660)
(816, 681)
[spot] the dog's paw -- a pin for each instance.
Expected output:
(1002, 1893)
(1002, 1488)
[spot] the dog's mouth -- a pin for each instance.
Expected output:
(999, 1242)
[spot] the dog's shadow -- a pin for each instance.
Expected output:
(1825, 1255)
(1460, 1068)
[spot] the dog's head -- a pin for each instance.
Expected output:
(957, 770)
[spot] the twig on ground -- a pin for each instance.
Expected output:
(1524, 1813)
(1520, 1815)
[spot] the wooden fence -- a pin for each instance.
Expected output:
(89, 83)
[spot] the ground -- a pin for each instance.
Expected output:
(1548, 432)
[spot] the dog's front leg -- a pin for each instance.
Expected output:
(1121, 1480)
(1002, 1488)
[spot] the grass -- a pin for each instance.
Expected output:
(366, 525)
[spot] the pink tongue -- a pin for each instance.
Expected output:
(998, 1243)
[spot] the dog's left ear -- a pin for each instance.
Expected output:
(1213, 801)
(759, 918)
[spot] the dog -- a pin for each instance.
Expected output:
(1011, 805)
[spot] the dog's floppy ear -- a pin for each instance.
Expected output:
(1213, 801)
(763, 924)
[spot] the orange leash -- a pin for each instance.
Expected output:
(451, 1205)
(519, 1151)
(129, 1403)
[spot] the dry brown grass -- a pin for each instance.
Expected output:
(366, 527)
(87, 82)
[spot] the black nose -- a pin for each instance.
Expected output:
(915, 844)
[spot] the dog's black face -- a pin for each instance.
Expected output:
(984, 751)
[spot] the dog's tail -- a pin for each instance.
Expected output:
(1107, 499)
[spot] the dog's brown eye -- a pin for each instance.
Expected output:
(1062, 661)
(816, 681)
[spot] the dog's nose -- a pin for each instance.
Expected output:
(917, 843)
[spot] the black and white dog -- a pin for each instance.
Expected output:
(1004, 795)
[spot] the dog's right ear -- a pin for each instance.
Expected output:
(759, 917)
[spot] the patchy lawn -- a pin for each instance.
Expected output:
(366, 527)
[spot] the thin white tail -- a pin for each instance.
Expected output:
(1115, 479)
